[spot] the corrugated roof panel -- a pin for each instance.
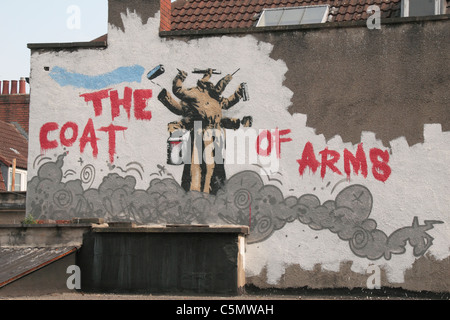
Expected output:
(18, 262)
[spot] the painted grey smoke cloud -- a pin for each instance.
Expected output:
(243, 200)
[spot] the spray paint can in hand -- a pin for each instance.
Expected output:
(155, 72)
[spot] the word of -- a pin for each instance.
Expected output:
(379, 158)
(235, 146)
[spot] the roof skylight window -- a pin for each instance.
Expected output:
(293, 15)
(417, 8)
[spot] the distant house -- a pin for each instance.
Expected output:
(13, 173)
(217, 14)
(14, 114)
(13, 158)
(15, 104)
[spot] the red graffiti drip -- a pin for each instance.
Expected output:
(329, 162)
(96, 98)
(43, 136)
(308, 159)
(358, 162)
(125, 102)
(140, 103)
(111, 130)
(89, 137)
(68, 142)
(380, 170)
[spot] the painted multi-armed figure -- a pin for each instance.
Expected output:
(203, 105)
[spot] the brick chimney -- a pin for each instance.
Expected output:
(13, 86)
(5, 87)
(166, 15)
(22, 86)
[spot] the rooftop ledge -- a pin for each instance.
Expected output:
(170, 228)
(128, 227)
(303, 27)
(68, 45)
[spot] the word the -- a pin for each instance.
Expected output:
(379, 159)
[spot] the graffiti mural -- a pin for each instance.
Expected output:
(202, 104)
(244, 199)
(127, 135)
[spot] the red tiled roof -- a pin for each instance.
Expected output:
(13, 145)
(15, 108)
(218, 14)
(102, 38)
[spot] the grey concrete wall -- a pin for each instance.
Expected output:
(348, 80)
(12, 207)
(40, 235)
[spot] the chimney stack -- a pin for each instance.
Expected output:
(22, 86)
(13, 86)
(5, 87)
(166, 15)
(17, 87)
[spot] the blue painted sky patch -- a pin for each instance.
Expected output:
(119, 75)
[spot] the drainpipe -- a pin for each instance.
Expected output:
(13, 178)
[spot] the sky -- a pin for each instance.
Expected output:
(45, 21)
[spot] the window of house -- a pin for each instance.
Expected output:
(20, 183)
(417, 8)
(293, 16)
